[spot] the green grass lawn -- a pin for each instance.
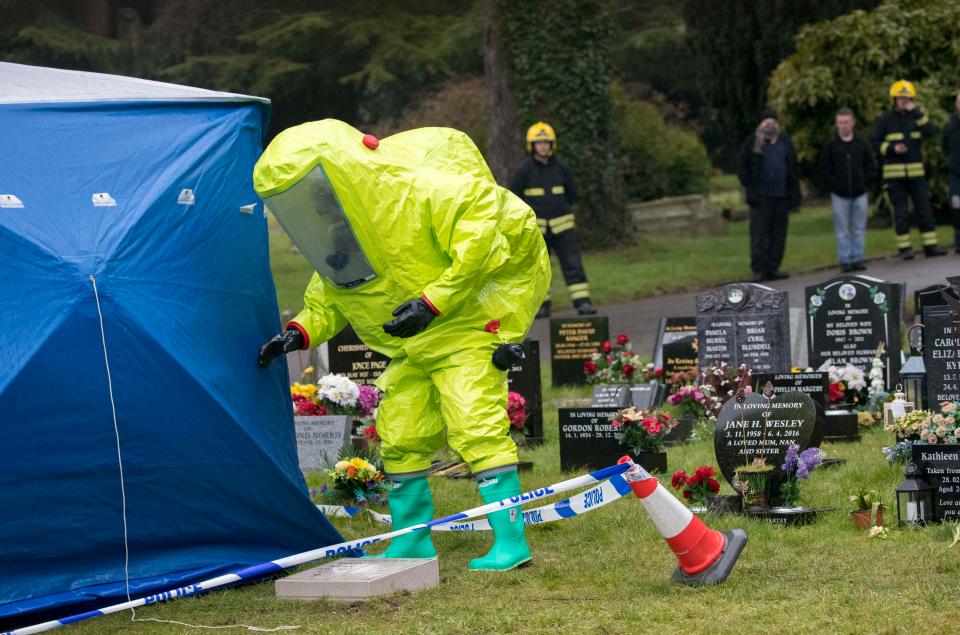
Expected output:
(608, 571)
(655, 266)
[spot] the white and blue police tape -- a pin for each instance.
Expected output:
(589, 500)
(276, 566)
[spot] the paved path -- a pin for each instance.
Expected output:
(639, 318)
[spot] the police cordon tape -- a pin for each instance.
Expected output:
(589, 500)
(276, 566)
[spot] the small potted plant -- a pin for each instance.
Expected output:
(354, 480)
(754, 479)
(797, 467)
(698, 487)
(643, 432)
(867, 509)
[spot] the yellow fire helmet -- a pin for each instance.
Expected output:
(541, 131)
(903, 88)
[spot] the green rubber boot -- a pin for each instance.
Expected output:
(510, 548)
(410, 504)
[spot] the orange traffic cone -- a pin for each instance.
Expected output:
(705, 556)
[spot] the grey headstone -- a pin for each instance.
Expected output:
(744, 323)
(320, 439)
(353, 579)
(610, 396)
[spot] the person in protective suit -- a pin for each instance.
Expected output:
(897, 134)
(434, 265)
(545, 184)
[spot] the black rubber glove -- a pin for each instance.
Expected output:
(289, 340)
(507, 355)
(411, 317)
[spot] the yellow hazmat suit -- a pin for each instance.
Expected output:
(417, 214)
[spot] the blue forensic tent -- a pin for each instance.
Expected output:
(147, 188)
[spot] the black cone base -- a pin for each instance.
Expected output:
(735, 540)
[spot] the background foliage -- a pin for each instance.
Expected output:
(852, 60)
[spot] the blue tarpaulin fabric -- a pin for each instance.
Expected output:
(211, 479)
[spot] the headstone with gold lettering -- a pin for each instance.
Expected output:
(572, 342)
(354, 359)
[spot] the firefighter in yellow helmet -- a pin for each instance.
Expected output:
(897, 135)
(544, 183)
(434, 265)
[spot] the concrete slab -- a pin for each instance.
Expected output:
(354, 579)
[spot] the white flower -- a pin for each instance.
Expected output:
(338, 389)
(879, 297)
(816, 300)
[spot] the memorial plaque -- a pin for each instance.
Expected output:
(646, 396)
(940, 466)
(320, 439)
(572, 342)
(848, 317)
(676, 348)
(817, 385)
(941, 350)
(524, 378)
(354, 359)
(357, 579)
(744, 323)
(587, 439)
(756, 429)
(610, 396)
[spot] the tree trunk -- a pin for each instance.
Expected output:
(504, 142)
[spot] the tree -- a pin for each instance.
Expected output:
(852, 60)
(504, 147)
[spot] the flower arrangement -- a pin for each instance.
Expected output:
(719, 382)
(847, 384)
(753, 478)
(614, 363)
(517, 413)
(942, 427)
(908, 426)
(337, 395)
(697, 487)
(900, 452)
(796, 467)
(682, 378)
(689, 400)
(642, 430)
(867, 508)
(354, 481)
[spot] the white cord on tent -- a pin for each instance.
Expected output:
(123, 497)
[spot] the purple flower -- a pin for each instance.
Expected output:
(323, 489)
(368, 399)
(790, 460)
(313, 492)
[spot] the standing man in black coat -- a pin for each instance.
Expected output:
(951, 151)
(768, 171)
(846, 170)
(545, 184)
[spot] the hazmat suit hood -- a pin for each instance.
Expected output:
(418, 214)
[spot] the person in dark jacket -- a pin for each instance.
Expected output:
(897, 135)
(951, 151)
(545, 184)
(846, 170)
(768, 171)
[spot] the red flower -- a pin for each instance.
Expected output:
(622, 339)
(705, 471)
(696, 479)
(606, 347)
(370, 433)
(836, 392)
(493, 326)
(713, 485)
(589, 367)
(679, 479)
(628, 370)
(616, 423)
(665, 416)
(321, 411)
(658, 372)
(686, 494)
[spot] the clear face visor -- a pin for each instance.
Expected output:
(312, 216)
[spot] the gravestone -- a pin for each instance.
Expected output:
(354, 359)
(927, 296)
(798, 338)
(572, 342)
(610, 396)
(587, 439)
(744, 323)
(755, 429)
(817, 385)
(675, 350)
(848, 317)
(356, 579)
(320, 439)
(646, 396)
(941, 350)
(939, 465)
(524, 378)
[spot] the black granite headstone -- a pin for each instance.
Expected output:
(676, 348)
(610, 396)
(940, 466)
(572, 342)
(927, 296)
(524, 378)
(757, 430)
(941, 350)
(354, 359)
(744, 323)
(848, 317)
(817, 385)
(646, 396)
(587, 439)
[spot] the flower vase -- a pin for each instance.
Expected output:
(863, 518)
(653, 462)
